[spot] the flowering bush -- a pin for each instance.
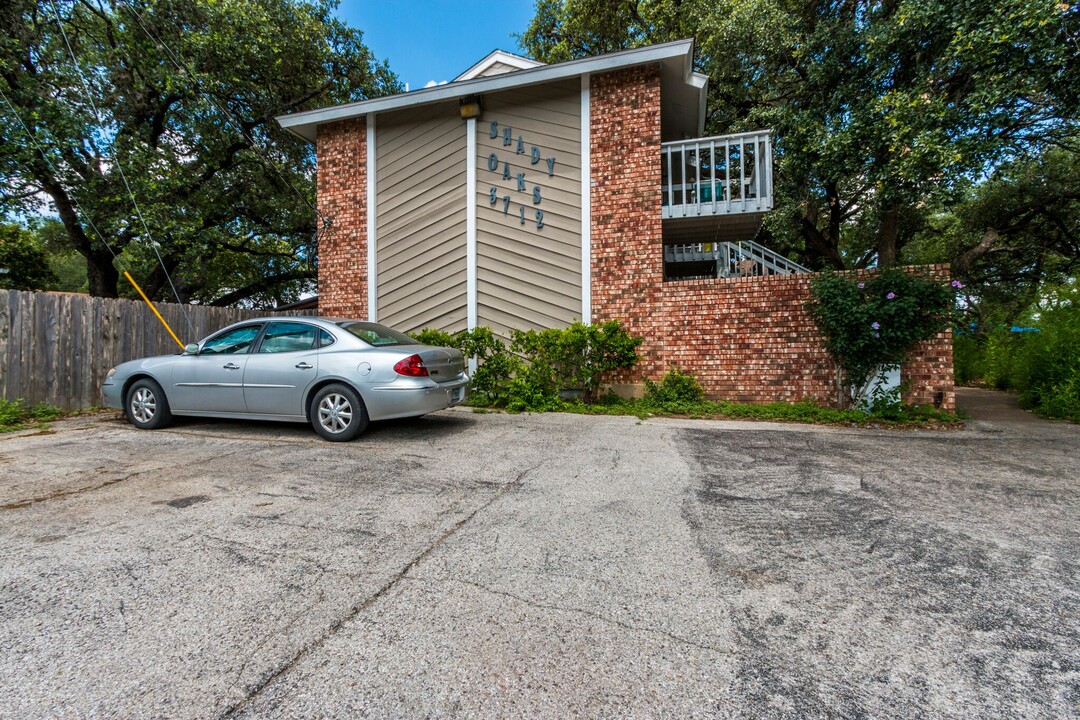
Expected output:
(871, 325)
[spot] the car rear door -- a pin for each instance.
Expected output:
(282, 369)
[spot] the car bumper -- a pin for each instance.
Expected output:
(111, 391)
(415, 397)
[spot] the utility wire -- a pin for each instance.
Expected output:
(183, 67)
(45, 157)
(120, 167)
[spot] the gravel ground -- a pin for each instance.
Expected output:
(485, 565)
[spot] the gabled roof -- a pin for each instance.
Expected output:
(683, 91)
(494, 63)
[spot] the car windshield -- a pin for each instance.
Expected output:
(375, 334)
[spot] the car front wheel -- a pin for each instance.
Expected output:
(146, 406)
(338, 414)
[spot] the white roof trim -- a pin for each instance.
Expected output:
(304, 123)
(498, 56)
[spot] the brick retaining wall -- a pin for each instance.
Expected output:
(752, 340)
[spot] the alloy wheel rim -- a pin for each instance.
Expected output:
(143, 405)
(335, 413)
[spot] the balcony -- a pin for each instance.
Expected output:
(717, 176)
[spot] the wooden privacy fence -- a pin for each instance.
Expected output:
(57, 347)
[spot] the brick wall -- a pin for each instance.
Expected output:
(746, 339)
(342, 188)
(627, 256)
(752, 340)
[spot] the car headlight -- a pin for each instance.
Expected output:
(112, 371)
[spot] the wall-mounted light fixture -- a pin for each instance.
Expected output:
(471, 107)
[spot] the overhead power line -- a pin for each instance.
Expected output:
(119, 166)
(48, 162)
(186, 69)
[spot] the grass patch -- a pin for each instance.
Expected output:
(16, 415)
(802, 412)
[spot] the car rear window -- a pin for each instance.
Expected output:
(375, 334)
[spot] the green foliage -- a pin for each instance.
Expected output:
(968, 361)
(577, 357)
(804, 412)
(878, 108)
(438, 338)
(1010, 235)
(15, 415)
(1043, 367)
(539, 364)
(23, 264)
(872, 324)
(231, 210)
(676, 388)
(496, 365)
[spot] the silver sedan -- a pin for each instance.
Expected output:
(335, 374)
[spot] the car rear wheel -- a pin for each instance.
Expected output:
(146, 406)
(337, 413)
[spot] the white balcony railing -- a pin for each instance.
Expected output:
(717, 175)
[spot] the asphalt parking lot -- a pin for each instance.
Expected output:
(487, 565)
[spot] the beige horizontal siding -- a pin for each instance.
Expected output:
(420, 219)
(530, 278)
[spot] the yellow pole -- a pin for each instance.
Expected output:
(143, 295)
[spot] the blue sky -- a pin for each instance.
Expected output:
(436, 40)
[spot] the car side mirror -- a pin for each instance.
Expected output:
(191, 349)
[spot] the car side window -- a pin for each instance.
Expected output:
(288, 337)
(233, 342)
(326, 339)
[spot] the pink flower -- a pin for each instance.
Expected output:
(876, 326)
(890, 296)
(957, 284)
(862, 286)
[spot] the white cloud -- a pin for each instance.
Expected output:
(432, 83)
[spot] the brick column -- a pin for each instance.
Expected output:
(342, 188)
(627, 249)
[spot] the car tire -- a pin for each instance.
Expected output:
(337, 413)
(146, 406)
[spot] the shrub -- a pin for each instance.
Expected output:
(577, 357)
(676, 388)
(871, 325)
(529, 374)
(438, 338)
(495, 364)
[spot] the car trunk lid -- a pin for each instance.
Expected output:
(443, 364)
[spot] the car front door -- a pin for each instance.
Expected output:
(281, 370)
(213, 380)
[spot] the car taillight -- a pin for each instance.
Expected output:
(412, 366)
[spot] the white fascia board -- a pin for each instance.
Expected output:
(701, 82)
(304, 123)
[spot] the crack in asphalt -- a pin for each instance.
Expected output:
(15, 505)
(580, 611)
(360, 607)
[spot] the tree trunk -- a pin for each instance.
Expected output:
(101, 275)
(887, 235)
(823, 250)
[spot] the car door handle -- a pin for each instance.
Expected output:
(231, 366)
(303, 366)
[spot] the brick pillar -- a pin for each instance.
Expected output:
(342, 186)
(627, 240)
